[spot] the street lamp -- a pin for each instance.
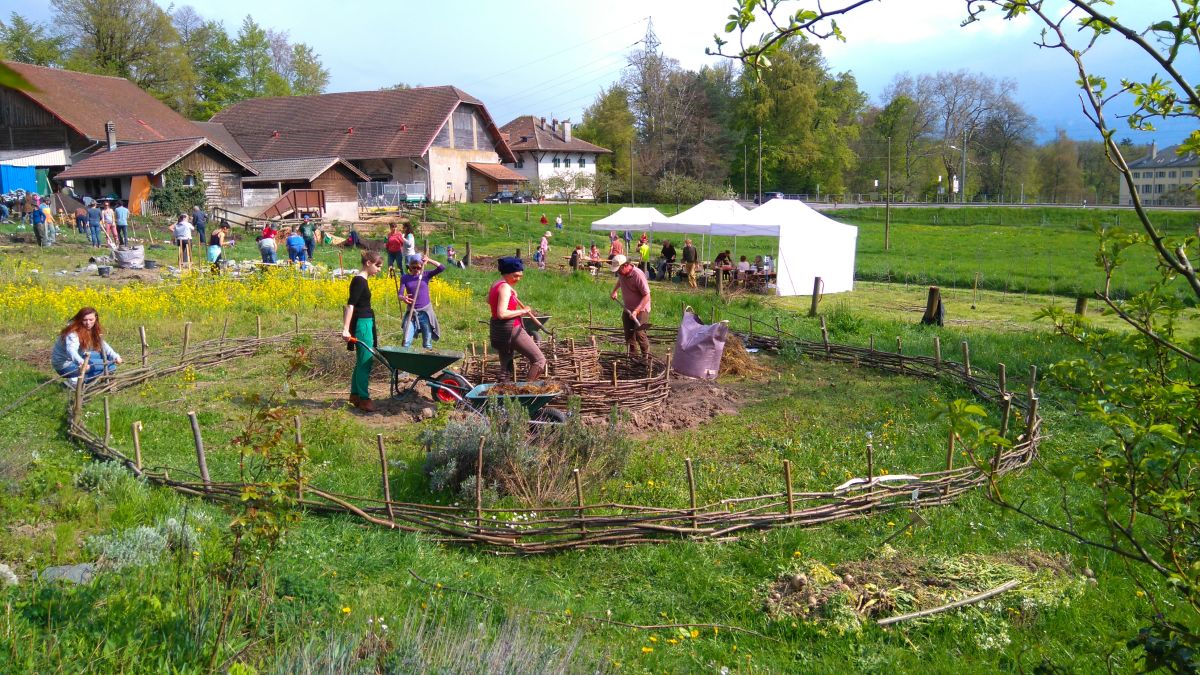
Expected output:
(962, 174)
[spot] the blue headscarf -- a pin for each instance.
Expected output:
(510, 265)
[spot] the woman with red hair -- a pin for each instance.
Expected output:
(80, 348)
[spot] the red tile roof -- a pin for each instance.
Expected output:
(220, 136)
(85, 102)
(527, 133)
(139, 159)
(352, 125)
(497, 172)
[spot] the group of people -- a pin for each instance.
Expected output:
(189, 227)
(506, 330)
(113, 223)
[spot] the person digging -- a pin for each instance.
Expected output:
(635, 301)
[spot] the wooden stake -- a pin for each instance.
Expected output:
(1002, 379)
(296, 320)
(966, 359)
(825, 336)
(1031, 422)
(107, 424)
(692, 492)
(225, 331)
(614, 375)
(200, 458)
(816, 296)
(1081, 305)
(787, 477)
(77, 418)
(258, 322)
(668, 373)
(751, 332)
(579, 501)
(145, 345)
(937, 351)
(1007, 414)
(187, 337)
(136, 430)
(383, 468)
(871, 343)
(1032, 379)
(467, 258)
(870, 462)
(778, 331)
(950, 450)
(479, 486)
(932, 302)
(299, 442)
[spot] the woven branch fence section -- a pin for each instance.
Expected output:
(557, 528)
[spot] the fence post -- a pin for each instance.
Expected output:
(107, 424)
(187, 337)
(1081, 305)
(692, 492)
(816, 296)
(383, 468)
(200, 458)
(1002, 379)
(145, 345)
(966, 359)
(479, 486)
(937, 351)
(870, 462)
(787, 478)
(825, 336)
(258, 322)
(136, 429)
(579, 501)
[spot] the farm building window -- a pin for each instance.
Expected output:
(520, 163)
(190, 180)
(582, 162)
(1186, 173)
(567, 162)
(556, 162)
(1162, 174)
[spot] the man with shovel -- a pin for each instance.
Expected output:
(635, 301)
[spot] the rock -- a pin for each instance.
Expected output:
(7, 576)
(798, 582)
(848, 579)
(1087, 572)
(76, 574)
(427, 413)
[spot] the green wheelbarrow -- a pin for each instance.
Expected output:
(482, 395)
(428, 366)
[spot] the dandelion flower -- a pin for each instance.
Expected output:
(655, 638)
(672, 641)
(1141, 594)
(796, 554)
(647, 650)
(695, 633)
(650, 483)
(345, 610)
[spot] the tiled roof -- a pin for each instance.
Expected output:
(139, 159)
(497, 172)
(527, 133)
(220, 136)
(352, 125)
(303, 169)
(85, 102)
(1166, 158)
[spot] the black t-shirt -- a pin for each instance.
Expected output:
(214, 239)
(668, 253)
(360, 300)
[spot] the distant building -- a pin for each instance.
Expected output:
(1164, 178)
(542, 151)
(440, 136)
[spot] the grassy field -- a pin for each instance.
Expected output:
(335, 583)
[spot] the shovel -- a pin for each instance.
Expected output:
(626, 312)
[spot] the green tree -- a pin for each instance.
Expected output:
(134, 39)
(29, 42)
(1060, 179)
(254, 51)
(608, 122)
(215, 60)
(308, 75)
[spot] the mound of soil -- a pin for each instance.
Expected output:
(691, 403)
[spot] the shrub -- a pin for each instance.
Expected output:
(534, 466)
(143, 545)
(104, 477)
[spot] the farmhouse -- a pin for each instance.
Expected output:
(71, 115)
(1163, 178)
(544, 152)
(439, 136)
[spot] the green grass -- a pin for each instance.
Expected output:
(816, 414)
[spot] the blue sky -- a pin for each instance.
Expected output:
(552, 58)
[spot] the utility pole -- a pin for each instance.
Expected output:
(962, 174)
(745, 170)
(759, 164)
(887, 209)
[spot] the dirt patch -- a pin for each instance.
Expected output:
(691, 403)
(894, 583)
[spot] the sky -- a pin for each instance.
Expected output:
(535, 57)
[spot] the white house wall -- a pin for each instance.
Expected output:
(543, 169)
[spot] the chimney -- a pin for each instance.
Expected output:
(1153, 149)
(110, 134)
(543, 123)
(554, 124)
(566, 130)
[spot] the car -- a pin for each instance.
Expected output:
(504, 197)
(768, 196)
(523, 198)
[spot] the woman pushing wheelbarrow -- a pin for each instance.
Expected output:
(505, 332)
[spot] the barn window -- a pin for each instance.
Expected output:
(582, 162)
(556, 162)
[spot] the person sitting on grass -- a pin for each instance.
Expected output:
(414, 292)
(81, 349)
(297, 251)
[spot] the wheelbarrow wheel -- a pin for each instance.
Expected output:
(451, 387)
(551, 416)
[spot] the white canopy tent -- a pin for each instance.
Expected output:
(629, 218)
(810, 245)
(699, 218)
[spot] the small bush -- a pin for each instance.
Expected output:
(104, 477)
(143, 545)
(534, 466)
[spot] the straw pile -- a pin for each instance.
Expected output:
(735, 360)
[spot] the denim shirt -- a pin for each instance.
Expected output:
(66, 351)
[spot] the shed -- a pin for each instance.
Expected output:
(335, 176)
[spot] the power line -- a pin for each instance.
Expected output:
(573, 47)
(541, 85)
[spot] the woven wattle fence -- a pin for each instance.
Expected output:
(570, 526)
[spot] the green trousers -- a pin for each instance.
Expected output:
(360, 382)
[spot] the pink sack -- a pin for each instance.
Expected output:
(698, 347)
